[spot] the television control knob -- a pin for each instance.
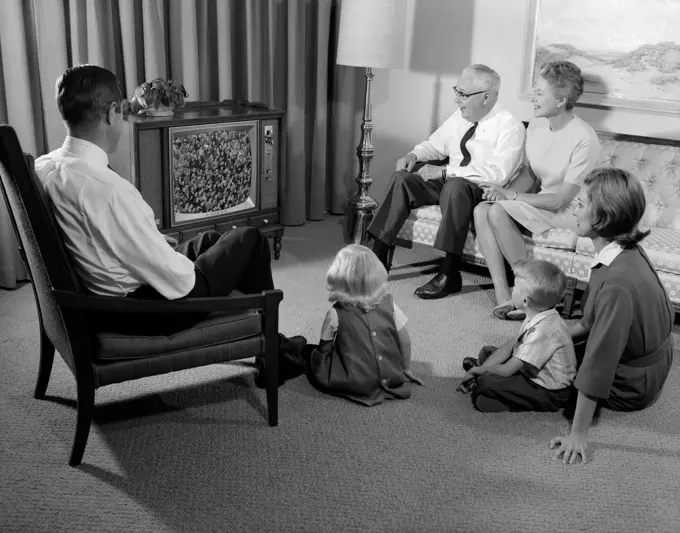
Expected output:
(268, 175)
(266, 221)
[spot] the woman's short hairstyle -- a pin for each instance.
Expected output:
(545, 282)
(486, 78)
(617, 204)
(357, 277)
(84, 94)
(566, 80)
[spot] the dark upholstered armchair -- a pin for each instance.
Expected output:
(235, 328)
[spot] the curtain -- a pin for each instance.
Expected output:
(279, 52)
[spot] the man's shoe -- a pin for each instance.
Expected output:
(470, 362)
(440, 286)
(292, 345)
(291, 364)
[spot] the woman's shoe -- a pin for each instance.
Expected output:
(516, 314)
(508, 311)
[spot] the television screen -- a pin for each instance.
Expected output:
(212, 170)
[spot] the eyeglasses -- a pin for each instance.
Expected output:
(464, 96)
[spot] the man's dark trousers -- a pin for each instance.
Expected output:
(237, 260)
(457, 198)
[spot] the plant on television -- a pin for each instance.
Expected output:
(152, 94)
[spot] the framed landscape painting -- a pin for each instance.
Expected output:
(628, 50)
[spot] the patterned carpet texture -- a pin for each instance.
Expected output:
(191, 451)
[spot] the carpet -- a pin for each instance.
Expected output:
(191, 451)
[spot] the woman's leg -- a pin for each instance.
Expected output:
(492, 252)
(508, 236)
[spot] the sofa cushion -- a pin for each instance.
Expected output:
(662, 246)
(423, 223)
(558, 238)
(421, 230)
(432, 213)
(217, 328)
(561, 258)
(580, 269)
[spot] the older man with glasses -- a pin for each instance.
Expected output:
(483, 143)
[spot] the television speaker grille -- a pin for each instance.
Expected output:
(151, 167)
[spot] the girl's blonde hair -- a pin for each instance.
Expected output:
(357, 277)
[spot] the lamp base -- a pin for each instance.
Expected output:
(357, 220)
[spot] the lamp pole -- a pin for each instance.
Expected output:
(361, 206)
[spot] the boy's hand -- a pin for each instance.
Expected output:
(468, 375)
(569, 448)
(170, 240)
(411, 376)
(468, 383)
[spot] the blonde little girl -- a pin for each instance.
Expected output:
(364, 353)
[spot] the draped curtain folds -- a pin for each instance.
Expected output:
(280, 52)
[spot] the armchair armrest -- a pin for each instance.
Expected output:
(434, 162)
(93, 302)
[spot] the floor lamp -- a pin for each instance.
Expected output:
(372, 35)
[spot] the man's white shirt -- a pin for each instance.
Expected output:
(496, 148)
(108, 228)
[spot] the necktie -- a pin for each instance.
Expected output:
(468, 135)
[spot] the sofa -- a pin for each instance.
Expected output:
(655, 162)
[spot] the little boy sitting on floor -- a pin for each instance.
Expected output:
(533, 372)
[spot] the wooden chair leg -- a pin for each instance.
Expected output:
(85, 412)
(45, 368)
(270, 319)
(569, 297)
(272, 370)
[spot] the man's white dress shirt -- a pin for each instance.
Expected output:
(108, 228)
(496, 148)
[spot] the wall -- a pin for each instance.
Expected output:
(443, 37)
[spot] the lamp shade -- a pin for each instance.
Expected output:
(372, 33)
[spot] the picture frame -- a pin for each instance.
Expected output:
(219, 160)
(628, 51)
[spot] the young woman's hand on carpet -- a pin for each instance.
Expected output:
(569, 448)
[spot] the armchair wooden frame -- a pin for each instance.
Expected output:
(64, 307)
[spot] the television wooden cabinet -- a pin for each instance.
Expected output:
(210, 166)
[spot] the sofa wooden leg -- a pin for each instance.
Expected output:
(85, 411)
(45, 368)
(569, 297)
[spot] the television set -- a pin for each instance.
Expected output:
(210, 166)
(213, 170)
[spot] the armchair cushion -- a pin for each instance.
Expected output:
(216, 329)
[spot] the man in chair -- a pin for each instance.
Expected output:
(484, 143)
(109, 229)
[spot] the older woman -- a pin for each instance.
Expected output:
(627, 316)
(560, 150)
